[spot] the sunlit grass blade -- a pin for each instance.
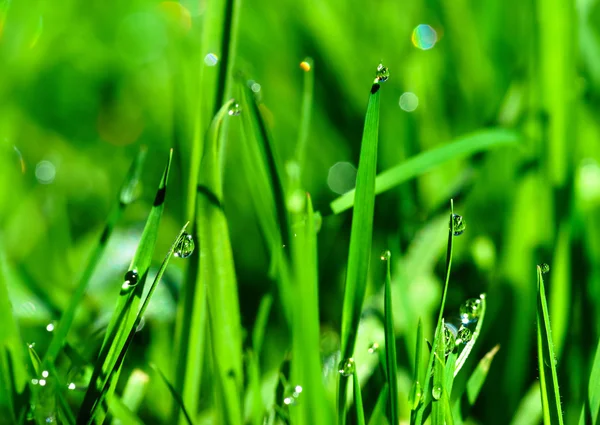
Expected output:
(13, 372)
(419, 164)
(416, 395)
(306, 361)
(260, 324)
(305, 114)
(463, 405)
(127, 194)
(358, 404)
(590, 413)
(122, 413)
(361, 238)
(174, 393)
(546, 360)
(390, 342)
(217, 273)
(124, 316)
(439, 329)
(466, 350)
(529, 411)
(133, 394)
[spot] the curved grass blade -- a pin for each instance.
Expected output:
(419, 164)
(378, 414)
(546, 360)
(133, 394)
(590, 413)
(463, 405)
(390, 343)
(439, 329)
(464, 354)
(174, 393)
(217, 273)
(529, 411)
(361, 238)
(127, 195)
(124, 316)
(358, 404)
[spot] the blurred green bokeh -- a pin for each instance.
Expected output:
(84, 84)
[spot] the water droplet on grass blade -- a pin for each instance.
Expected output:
(544, 267)
(373, 348)
(346, 367)
(130, 280)
(185, 246)
(464, 335)
(382, 74)
(449, 338)
(386, 255)
(458, 224)
(71, 386)
(415, 396)
(235, 109)
(470, 310)
(436, 392)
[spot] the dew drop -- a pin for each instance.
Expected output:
(235, 109)
(373, 348)
(289, 401)
(346, 367)
(185, 246)
(458, 224)
(464, 334)
(386, 255)
(297, 391)
(544, 267)
(45, 373)
(382, 74)
(449, 338)
(211, 59)
(305, 65)
(42, 382)
(50, 327)
(470, 310)
(131, 279)
(72, 386)
(436, 392)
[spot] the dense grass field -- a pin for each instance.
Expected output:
(300, 212)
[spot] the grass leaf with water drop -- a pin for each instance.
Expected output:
(124, 315)
(438, 390)
(547, 359)
(390, 343)
(306, 111)
(426, 161)
(466, 350)
(361, 238)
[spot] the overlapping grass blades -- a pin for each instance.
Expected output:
(217, 273)
(419, 164)
(124, 316)
(547, 359)
(360, 238)
(127, 194)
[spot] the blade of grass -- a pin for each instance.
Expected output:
(590, 413)
(306, 361)
(216, 265)
(133, 394)
(419, 164)
(361, 239)
(439, 329)
(463, 405)
(438, 407)
(358, 404)
(464, 354)
(306, 110)
(127, 194)
(390, 342)
(529, 411)
(122, 413)
(415, 397)
(378, 414)
(124, 316)
(546, 360)
(174, 393)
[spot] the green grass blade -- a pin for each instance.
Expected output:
(463, 405)
(361, 236)
(390, 342)
(306, 111)
(124, 316)
(133, 394)
(358, 404)
(464, 354)
(306, 361)
(419, 164)
(590, 412)
(439, 330)
(415, 396)
(438, 406)
(546, 360)
(127, 194)
(13, 372)
(216, 265)
(529, 411)
(260, 324)
(122, 413)
(174, 393)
